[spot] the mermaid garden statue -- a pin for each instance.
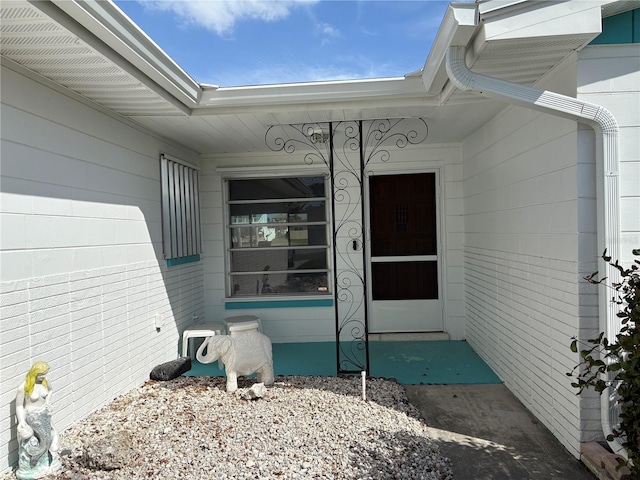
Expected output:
(38, 441)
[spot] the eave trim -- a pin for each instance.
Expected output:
(108, 23)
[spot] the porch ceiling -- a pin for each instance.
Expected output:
(92, 49)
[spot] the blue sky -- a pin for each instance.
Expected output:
(256, 42)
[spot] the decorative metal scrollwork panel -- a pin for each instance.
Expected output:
(346, 149)
(311, 140)
(382, 137)
(350, 278)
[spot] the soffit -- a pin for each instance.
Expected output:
(504, 58)
(619, 6)
(37, 42)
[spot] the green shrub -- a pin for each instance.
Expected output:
(617, 363)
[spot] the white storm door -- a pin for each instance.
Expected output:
(405, 264)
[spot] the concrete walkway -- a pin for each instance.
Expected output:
(488, 434)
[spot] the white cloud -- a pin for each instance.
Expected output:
(221, 16)
(329, 30)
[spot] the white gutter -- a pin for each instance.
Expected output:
(457, 28)
(606, 127)
(313, 95)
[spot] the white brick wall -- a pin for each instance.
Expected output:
(618, 92)
(528, 209)
(81, 270)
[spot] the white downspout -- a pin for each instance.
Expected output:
(606, 127)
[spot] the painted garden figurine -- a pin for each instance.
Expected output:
(38, 441)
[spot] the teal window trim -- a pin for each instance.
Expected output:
(172, 262)
(620, 29)
(320, 302)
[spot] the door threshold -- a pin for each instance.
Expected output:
(409, 337)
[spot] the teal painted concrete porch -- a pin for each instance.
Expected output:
(410, 363)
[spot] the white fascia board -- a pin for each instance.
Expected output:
(531, 19)
(486, 7)
(109, 24)
(458, 26)
(313, 94)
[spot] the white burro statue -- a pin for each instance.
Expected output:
(243, 352)
(37, 439)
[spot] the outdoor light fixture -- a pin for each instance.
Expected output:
(317, 135)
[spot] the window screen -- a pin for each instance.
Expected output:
(278, 236)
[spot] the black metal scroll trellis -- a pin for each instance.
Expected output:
(347, 149)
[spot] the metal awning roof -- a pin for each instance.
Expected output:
(94, 50)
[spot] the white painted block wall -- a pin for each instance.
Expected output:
(619, 92)
(316, 324)
(609, 76)
(82, 274)
(526, 197)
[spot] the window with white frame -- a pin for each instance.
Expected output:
(180, 211)
(277, 236)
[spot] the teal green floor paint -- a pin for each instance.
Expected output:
(442, 363)
(410, 363)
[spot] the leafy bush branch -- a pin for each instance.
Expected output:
(616, 362)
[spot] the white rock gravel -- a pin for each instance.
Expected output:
(303, 428)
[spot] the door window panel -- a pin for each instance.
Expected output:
(405, 281)
(403, 215)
